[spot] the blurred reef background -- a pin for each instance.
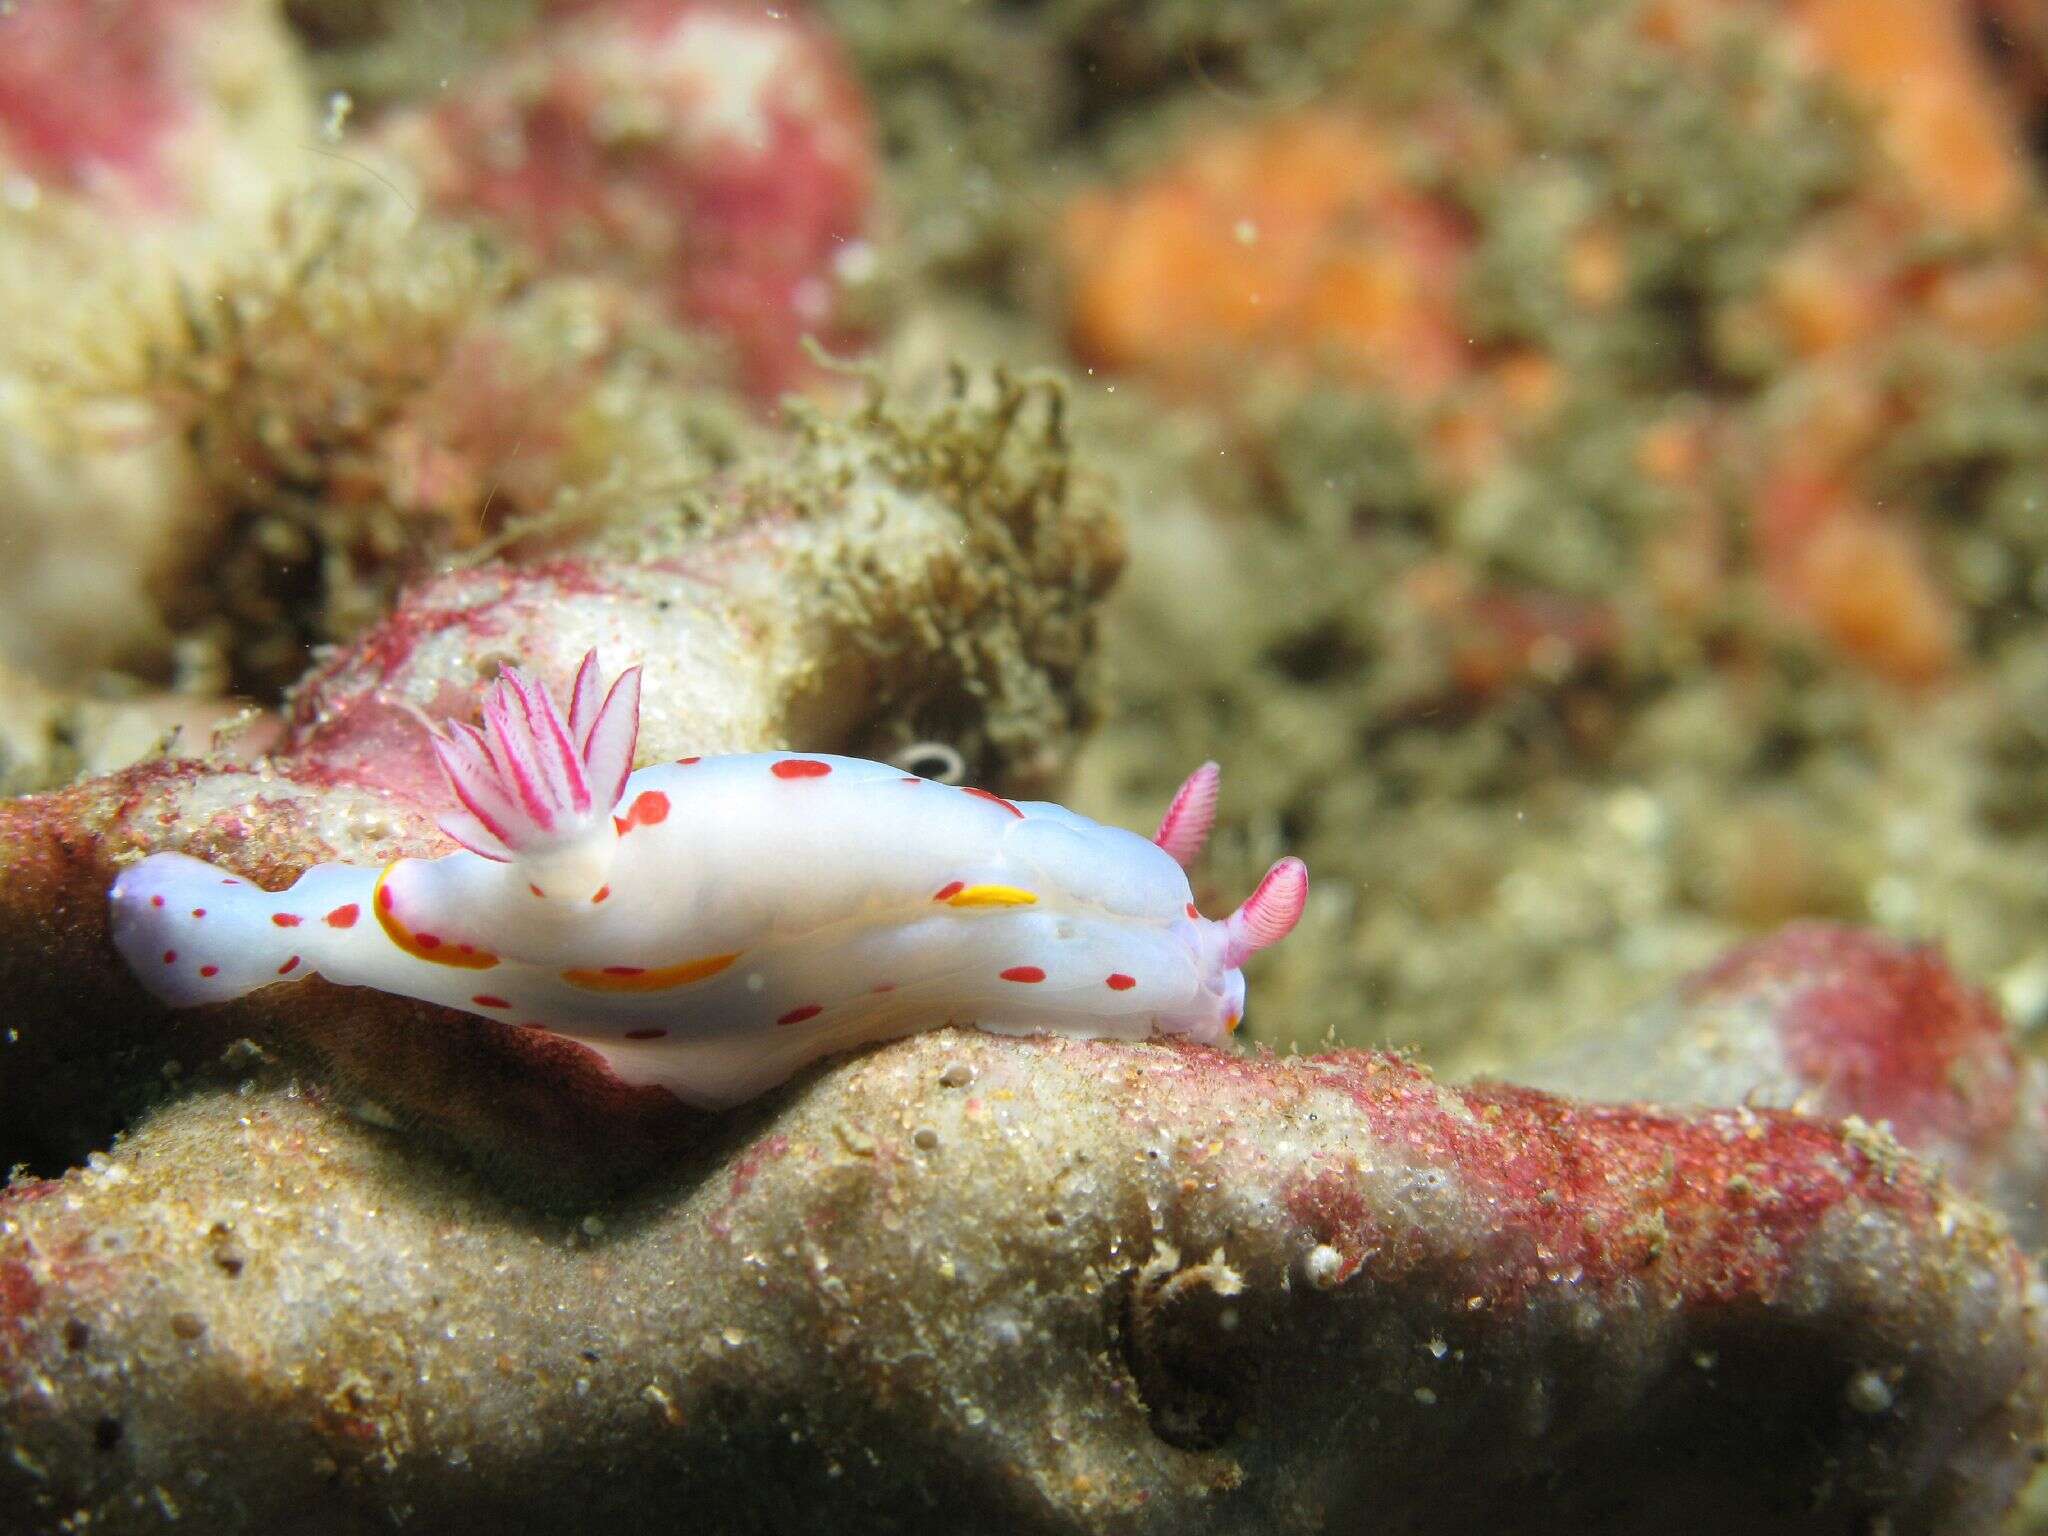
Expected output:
(1585, 462)
(1580, 465)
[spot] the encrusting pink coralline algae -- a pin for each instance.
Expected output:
(1840, 1022)
(152, 111)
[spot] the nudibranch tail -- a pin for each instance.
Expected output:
(1185, 828)
(529, 781)
(195, 934)
(1268, 914)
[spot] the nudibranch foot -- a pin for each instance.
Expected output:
(713, 924)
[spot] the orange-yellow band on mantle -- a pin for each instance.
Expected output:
(626, 978)
(992, 896)
(427, 947)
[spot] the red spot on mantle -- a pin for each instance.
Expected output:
(992, 799)
(344, 916)
(1023, 973)
(800, 768)
(170, 957)
(1117, 981)
(289, 966)
(285, 919)
(156, 901)
(199, 911)
(209, 970)
(649, 809)
(485, 1000)
(949, 890)
(798, 1015)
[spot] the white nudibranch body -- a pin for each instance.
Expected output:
(711, 925)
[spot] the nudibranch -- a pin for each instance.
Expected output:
(712, 924)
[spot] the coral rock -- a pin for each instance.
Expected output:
(150, 109)
(1839, 1022)
(719, 154)
(976, 1283)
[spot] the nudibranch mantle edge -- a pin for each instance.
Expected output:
(715, 923)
